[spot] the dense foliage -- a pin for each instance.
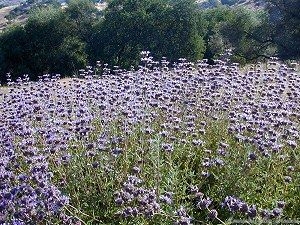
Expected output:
(284, 26)
(184, 144)
(165, 28)
(63, 40)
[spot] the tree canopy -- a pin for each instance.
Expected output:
(166, 28)
(285, 27)
(57, 40)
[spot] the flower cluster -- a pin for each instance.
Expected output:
(235, 205)
(183, 217)
(26, 196)
(135, 199)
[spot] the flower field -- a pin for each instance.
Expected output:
(188, 143)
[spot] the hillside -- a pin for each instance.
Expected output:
(4, 12)
(17, 2)
(10, 2)
(254, 3)
(17, 11)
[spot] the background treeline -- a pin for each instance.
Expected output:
(63, 40)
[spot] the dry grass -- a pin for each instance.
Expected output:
(4, 90)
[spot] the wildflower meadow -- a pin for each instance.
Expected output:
(168, 143)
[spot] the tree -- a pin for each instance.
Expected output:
(45, 44)
(46, 30)
(81, 15)
(184, 38)
(215, 42)
(54, 46)
(245, 32)
(12, 52)
(285, 26)
(166, 28)
(70, 56)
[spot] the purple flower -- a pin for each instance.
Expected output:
(204, 203)
(212, 214)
